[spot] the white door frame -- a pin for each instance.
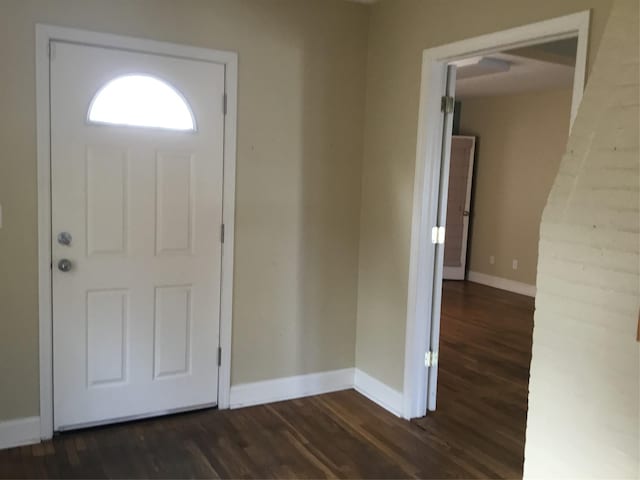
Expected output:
(420, 305)
(46, 34)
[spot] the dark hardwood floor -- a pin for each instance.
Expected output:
(483, 376)
(477, 431)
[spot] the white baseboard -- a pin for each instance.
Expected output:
(287, 388)
(453, 273)
(24, 431)
(502, 283)
(378, 392)
(21, 431)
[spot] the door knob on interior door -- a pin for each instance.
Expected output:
(65, 265)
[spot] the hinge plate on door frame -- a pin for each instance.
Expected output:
(222, 233)
(437, 235)
(430, 359)
(224, 104)
(219, 356)
(447, 104)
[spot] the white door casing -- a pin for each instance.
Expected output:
(420, 312)
(458, 206)
(136, 320)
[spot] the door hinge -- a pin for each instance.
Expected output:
(447, 104)
(219, 356)
(437, 235)
(430, 359)
(52, 51)
(222, 233)
(224, 104)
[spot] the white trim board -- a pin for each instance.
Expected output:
(378, 392)
(45, 34)
(421, 306)
(502, 283)
(21, 431)
(24, 431)
(288, 388)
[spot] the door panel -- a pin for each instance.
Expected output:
(434, 338)
(107, 342)
(172, 331)
(106, 187)
(136, 319)
(174, 203)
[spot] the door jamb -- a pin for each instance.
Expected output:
(425, 191)
(46, 34)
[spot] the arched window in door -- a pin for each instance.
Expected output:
(141, 101)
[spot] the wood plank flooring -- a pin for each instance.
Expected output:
(477, 431)
(483, 376)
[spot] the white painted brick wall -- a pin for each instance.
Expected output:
(584, 392)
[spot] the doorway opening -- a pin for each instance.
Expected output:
(486, 56)
(510, 127)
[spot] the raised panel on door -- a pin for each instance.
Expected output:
(172, 331)
(174, 203)
(107, 342)
(106, 209)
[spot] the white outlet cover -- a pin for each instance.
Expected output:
(514, 265)
(492, 260)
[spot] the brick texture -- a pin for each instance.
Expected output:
(584, 401)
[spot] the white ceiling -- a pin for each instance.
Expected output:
(525, 75)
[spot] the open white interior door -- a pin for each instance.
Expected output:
(458, 206)
(447, 104)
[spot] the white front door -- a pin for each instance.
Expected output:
(136, 161)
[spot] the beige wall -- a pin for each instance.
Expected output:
(399, 31)
(301, 103)
(584, 390)
(521, 139)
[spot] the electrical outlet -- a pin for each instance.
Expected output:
(514, 264)
(492, 260)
